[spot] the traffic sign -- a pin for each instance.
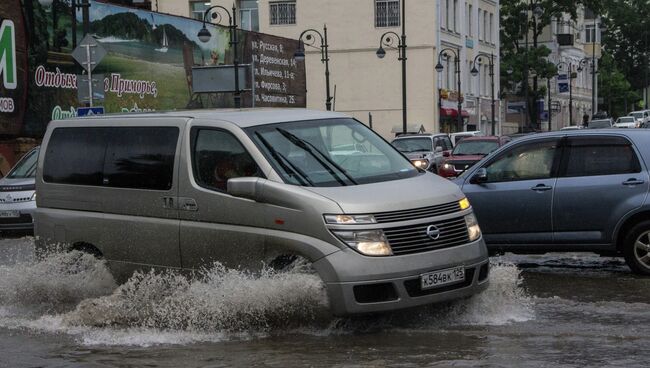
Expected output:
(89, 53)
(83, 94)
(90, 111)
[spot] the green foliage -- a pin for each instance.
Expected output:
(614, 88)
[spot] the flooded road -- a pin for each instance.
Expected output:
(564, 310)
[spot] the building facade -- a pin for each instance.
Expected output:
(574, 45)
(370, 88)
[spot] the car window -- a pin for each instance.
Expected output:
(408, 145)
(218, 156)
(590, 156)
(446, 143)
(524, 162)
(26, 167)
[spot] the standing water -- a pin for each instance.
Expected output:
(538, 310)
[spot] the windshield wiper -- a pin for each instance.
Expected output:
(283, 161)
(305, 146)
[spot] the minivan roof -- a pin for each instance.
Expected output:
(241, 117)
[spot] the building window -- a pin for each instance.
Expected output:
(491, 28)
(447, 14)
(387, 13)
(249, 15)
(590, 33)
(485, 22)
(197, 9)
(480, 35)
(456, 16)
(469, 21)
(282, 12)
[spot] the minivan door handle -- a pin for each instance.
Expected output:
(632, 181)
(541, 188)
(187, 204)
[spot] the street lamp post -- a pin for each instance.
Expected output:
(581, 64)
(475, 72)
(440, 68)
(299, 55)
(204, 35)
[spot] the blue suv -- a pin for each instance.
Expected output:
(581, 190)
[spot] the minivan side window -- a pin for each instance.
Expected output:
(75, 156)
(218, 156)
(125, 157)
(141, 158)
(590, 156)
(524, 162)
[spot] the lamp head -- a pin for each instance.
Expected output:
(381, 52)
(439, 67)
(299, 55)
(204, 35)
(474, 71)
(538, 11)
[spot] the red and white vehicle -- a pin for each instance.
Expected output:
(467, 152)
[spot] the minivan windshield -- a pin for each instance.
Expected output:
(26, 167)
(474, 147)
(329, 152)
(408, 145)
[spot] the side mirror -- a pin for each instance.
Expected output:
(446, 153)
(246, 187)
(438, 149)
(480, 176)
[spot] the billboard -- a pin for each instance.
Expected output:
(147, 66)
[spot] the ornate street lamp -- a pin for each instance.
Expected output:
(204, 35)
(440, 68)
(299, 55)
(387, 40)
(474, 72)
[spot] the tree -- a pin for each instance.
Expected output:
(520, 19)
(626, 41)
(614, 88)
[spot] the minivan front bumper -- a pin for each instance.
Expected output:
(359, 284)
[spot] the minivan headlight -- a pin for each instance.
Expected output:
(421, 164)
(350, 219)
(463, 203)
(368, 242)
(33, 197)
(473, 229)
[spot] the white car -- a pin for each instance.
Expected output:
(456, 137)
(626, 122)
(641, 116)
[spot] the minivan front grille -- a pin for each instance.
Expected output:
(417, 213)
(414, 238)
(15, 200)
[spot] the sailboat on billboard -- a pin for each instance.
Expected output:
(165, 43)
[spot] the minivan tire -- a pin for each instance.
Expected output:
(636, 259)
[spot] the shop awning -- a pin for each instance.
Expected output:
(452, 113)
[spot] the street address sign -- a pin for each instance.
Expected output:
(89, 53)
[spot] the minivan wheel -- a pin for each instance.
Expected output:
(637, 248)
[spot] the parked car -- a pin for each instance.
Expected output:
(626, 122)
(601, 123)
(641, 116)
(583, 190)
(424, 150)
(18, 194)
(260, 186)
(458, 136)
(468, 152)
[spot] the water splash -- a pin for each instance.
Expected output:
(74, 293)
(217, 299)
(55, 282)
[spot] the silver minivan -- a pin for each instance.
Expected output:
(247, 188)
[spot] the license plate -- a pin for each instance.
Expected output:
(443, 277)
(9, 214)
